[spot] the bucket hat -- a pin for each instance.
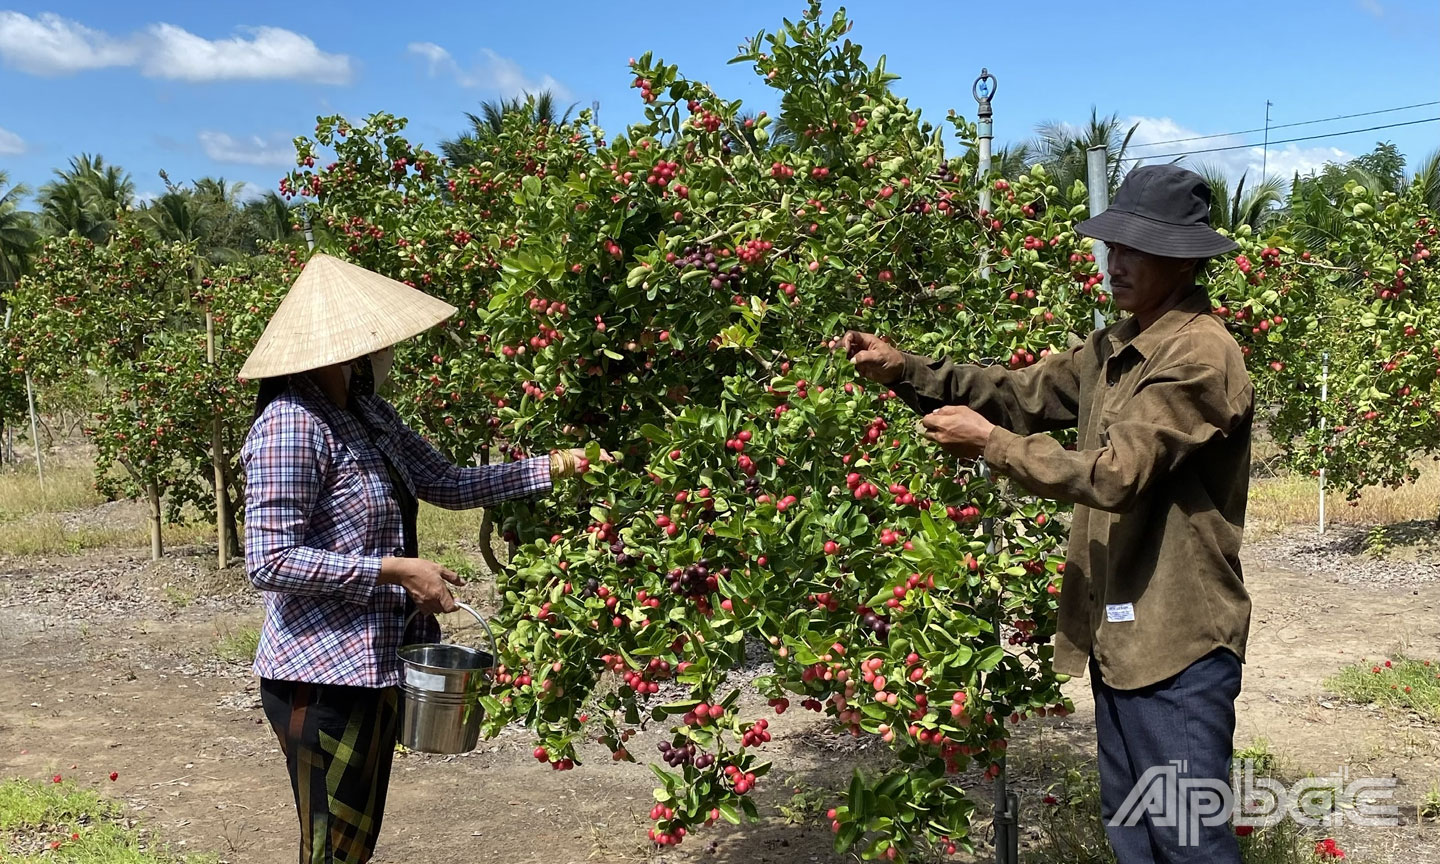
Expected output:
(1163, 210)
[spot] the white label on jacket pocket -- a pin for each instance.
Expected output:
(1120, 612)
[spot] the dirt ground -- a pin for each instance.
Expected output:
(109, 663)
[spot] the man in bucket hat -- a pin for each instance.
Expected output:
(1152, 601)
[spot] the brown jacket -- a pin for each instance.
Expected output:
(1159, 479)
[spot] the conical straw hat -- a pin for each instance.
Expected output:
(336, 312)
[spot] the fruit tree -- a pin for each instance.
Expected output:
(673, 293)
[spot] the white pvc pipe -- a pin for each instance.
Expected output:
(1098, 183)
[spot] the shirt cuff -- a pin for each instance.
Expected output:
(367, 577)
(998, 447)
(537, 477)
(914, 364)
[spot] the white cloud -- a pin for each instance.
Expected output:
(51, 45)
(1282, 161)
(268, 53)
(1373, 7)
(276, 151)
(496, 73)
(10, 143)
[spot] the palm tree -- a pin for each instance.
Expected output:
(538, 109)
(87, 198)
(541, 108)
(778, 135)
(17, 233)
(65, 208)
(270, 218)
(1427, 177)
(1011, 160)
(178, 216)
(1316, 198)
(1062, 149)
(210, 213)
(215, 191)
(112, 190)
(1255, 206)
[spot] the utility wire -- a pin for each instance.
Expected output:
(1287, 125)
(1282, 141)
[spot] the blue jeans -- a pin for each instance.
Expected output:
(1188, 719)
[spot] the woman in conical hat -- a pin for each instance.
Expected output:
(332, 481)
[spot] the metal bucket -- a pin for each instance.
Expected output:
(439, 700)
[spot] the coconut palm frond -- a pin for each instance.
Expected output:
(1427, 177)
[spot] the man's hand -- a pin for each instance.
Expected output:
(424, 581)
(958, 430)
(873, 357)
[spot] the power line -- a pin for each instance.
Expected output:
(1282, 141)
(1287, 125)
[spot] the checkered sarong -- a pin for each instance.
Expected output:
(339, 743)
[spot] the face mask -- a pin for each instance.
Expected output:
(381, 362)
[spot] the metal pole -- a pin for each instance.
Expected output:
(1324, 424)
(984, 91)
(309, 235)
(1097, 164)
(1265, 148)
(1007, 803)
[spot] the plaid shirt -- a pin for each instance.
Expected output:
(319, 516)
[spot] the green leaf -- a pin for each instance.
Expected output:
(990, 658)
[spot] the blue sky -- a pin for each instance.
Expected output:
(220, 88)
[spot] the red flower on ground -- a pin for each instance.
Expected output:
(1244, 830)
(1327, 848)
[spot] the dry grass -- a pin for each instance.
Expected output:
(51, 534)
(36, 522)
(67, 488)
(62, 517)
(1289, 500)
(448, 532)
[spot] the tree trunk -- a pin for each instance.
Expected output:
(487, 540)
(223, 521)
(232, 527)
(218, 461)
(157, 543)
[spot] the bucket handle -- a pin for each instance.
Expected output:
(494, 651)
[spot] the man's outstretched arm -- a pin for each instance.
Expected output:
(1038, 398)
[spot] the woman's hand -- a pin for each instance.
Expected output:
(567, 463)
(424, 581)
